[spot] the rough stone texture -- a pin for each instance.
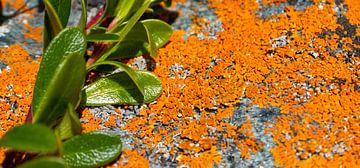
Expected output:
(12, 32)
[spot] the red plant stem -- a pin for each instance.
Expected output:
(96, 17)
(29, 116)
(112, 24)
(99, 50)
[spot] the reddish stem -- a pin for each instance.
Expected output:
(99, 49)
(29, 116)
(96, 17)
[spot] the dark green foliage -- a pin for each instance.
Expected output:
(30, 138)
(94, 149)
(119, 89)
(60, 78)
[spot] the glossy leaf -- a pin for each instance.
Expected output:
(110, 7)
(122, 10)
(63, 8)
(91, 150)
(52, 22)
(108, 37)
(44, 162)
(70, 124)
(30, 138)
(83, 19)
(126, 29)
(60, 78)
(138, 5)
(56, 18)
(159, 30)
(136, 42)
(120, 89)
(149, 28)
(129, 71)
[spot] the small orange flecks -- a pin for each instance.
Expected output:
(16, 87)
(131, 159)
(317, 98)
(92, 124)
(33, 33)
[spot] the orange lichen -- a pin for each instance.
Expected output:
(269, 2)
(17, 4)
(205, 159)
(316, 91)
(353, 11)
(92, 124)
(247, 65)
(131, 159)
(33, 33)
(16, 86)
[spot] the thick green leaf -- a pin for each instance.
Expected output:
(47, 31)
(108, 37)
(63, 10)
(130, 49)
(120, 89)
(52, 22)
(44, 162)
(110, 7)
(122, 10)
(129, 71)
(56, 17)
(83, 19)
(60, 78)
(91, 150)
(149, 28)
(70, 124)
(138, 5)
(30, 138)
(159, 30)
(136, 42)
(126, 29)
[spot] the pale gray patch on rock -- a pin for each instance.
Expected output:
(180, 70)
(140, 63)
(260, 117)
(279, 42)
(200, 9)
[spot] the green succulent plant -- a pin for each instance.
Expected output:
(53, 137)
